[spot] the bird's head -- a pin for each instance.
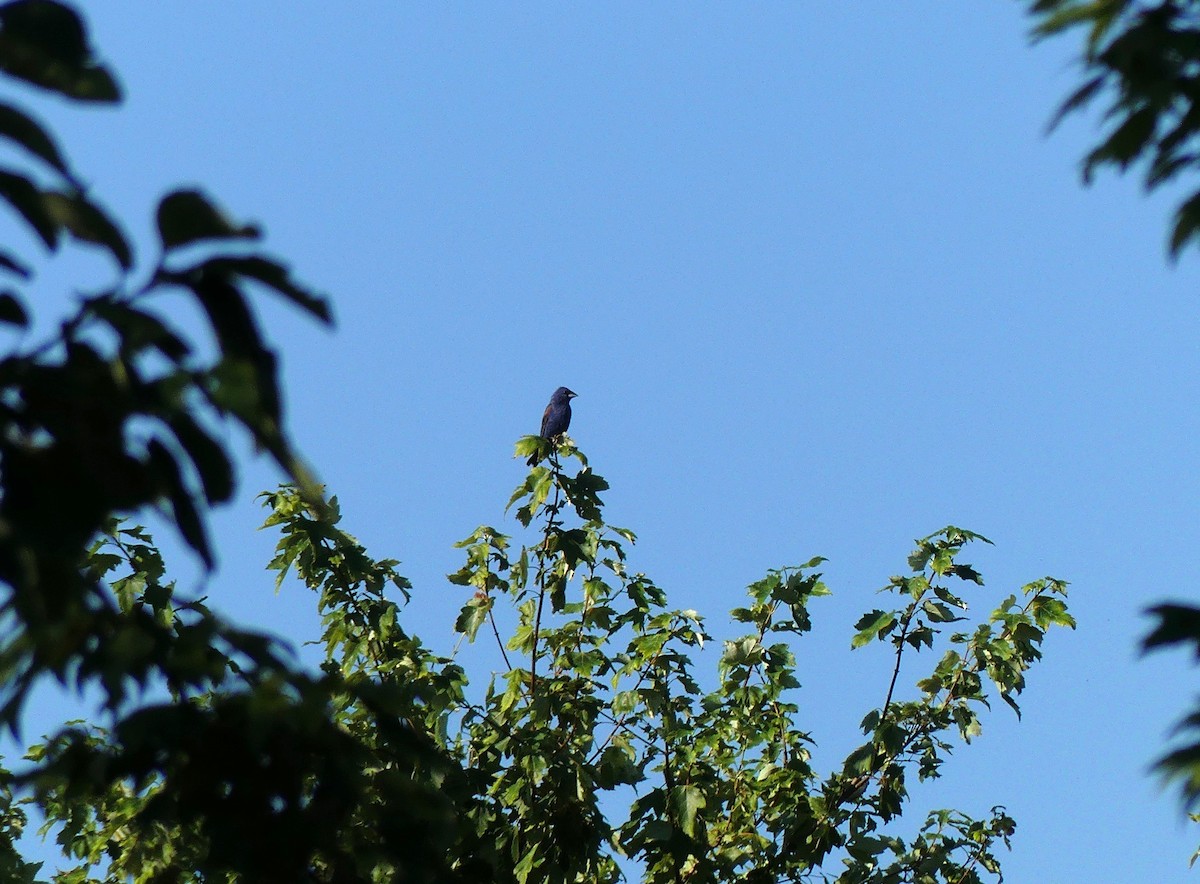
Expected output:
(564, 393)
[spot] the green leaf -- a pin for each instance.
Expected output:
(240, 342)
(473, 615)
(128, 589)
(187, 216)
(943, 560)
(686, 802)
(918, 559)
(861, 760)
(939, 613)
(1007, 698)
(920, 635)
(1049, 611)
(949, 598)
(871, 626)
(527, 445)
(967, 721)
(617, 766)
(44, 43)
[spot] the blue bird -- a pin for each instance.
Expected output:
(556, 419)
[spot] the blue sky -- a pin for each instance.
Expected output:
(820, 278)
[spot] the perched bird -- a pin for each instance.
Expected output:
(557, 417)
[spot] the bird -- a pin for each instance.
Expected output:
(556, 419)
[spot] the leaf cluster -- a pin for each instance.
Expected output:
(1144, 59)
(600, 694)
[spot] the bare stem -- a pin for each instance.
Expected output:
(899, 655)
(499, 641)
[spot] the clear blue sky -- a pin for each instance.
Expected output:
(822, 283)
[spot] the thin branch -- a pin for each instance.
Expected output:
(912, 610)
(551, 512)
(499, 641)
(974, 859)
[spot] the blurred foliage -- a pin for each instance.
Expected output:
(210, 755)
(1143, 59)
(119, 411)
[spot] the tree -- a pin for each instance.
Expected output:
(1144, 59)
(596, 749)
(213, 755)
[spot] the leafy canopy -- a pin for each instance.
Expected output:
(598, 750)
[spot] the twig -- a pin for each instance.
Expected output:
(499, 641)
(551, 512)
(899, 654)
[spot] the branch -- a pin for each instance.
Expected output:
(912, 610)
(499, 641)
(551, 512)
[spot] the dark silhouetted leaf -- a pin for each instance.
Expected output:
(1077, 99)
(138, 329)
(187, 517)
(1125, 143)
(44, 43)
(12, 310)
(274, 275)
(229, 314)
(8, 262)
(966, 572)
(21, 129)
(1187, 225)
(187, 216)
(23, 196)
(1177, 624)
(89, 223)
(212, 463)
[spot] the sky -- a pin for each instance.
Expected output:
(820, 277)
